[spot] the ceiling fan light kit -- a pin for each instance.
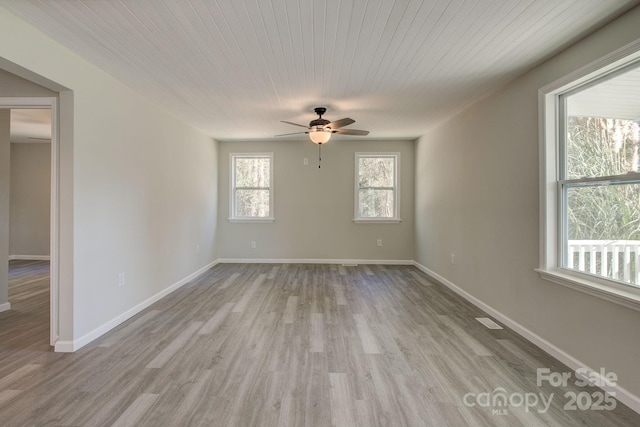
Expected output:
(319, 136)
(320, 130)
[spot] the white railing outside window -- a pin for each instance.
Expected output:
(615, 259)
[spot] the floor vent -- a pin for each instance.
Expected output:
(488, 323)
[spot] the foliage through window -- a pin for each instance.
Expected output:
(599, 180)
(251, 186)
(377, 186)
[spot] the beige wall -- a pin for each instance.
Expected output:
(138, 187)
(477, 196)
(5, 176)
(29, 221)
(12, 85)
(314, 208)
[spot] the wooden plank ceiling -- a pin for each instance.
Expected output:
(236, 68)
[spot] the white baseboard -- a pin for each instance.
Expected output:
(64, 347)
(30, 257)
(314, 261)
(5, 307)
(72, 346)
(621, 394)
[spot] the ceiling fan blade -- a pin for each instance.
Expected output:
(351, 132)
(287, 134)
(340, 123)
(295, 124)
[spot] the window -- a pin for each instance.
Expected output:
(377, 188)
(251, 187)
(591, 182)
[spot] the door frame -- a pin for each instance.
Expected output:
(51, 103)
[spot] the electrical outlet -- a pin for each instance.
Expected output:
(453, 258)
(253, 244)
(121, 280)
(305, 161)
(379, 243)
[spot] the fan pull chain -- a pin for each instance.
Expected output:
(319, 155)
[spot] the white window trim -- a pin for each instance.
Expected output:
(232, 189)
(396, 197)
(550, 216)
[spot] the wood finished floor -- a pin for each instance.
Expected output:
(26, 326)
(278, 345)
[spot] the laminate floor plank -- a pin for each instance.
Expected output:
(7, 395)
(136, 411)
(317, 333)
(240, 306)
(8, 380)
(342, 400)
(369, 342)
(175, 345)
(289, 415)
(280, 345)
(216, 320)
(291, 308)
(134, 326)
(230, 280)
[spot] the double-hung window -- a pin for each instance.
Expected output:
(591, 184)
(377, 192)
(251, 193)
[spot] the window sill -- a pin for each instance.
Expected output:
(611, 292)
(251, 220)
(377, 220)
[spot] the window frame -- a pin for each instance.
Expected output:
(232, 187)
(551, 105)
(396, 189)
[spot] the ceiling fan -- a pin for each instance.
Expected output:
(320, 130)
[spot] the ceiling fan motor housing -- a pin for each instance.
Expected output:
(319, 122)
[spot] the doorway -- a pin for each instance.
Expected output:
(29, 227)
(32, 238)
